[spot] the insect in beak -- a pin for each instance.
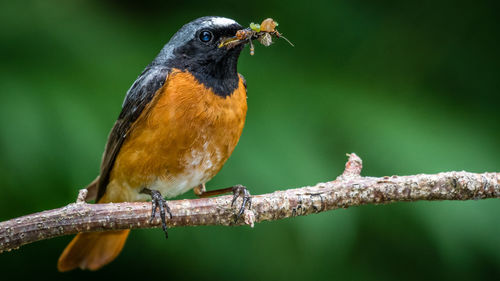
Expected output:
(263, 33)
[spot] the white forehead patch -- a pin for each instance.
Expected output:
(218, 21)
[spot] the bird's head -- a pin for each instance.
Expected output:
(197, 48)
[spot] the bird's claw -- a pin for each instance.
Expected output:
(241, 191)
(158, 202)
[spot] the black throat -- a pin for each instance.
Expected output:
(215, 70)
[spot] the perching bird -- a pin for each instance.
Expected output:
(179, 123)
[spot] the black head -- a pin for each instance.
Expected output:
(196, 48)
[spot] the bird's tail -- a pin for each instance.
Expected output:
(92, 250)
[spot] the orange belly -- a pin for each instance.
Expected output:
(181, 140)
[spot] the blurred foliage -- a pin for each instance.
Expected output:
(411, 86)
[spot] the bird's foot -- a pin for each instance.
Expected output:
(158, 202)
(241, 191)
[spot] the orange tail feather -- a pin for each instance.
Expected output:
(92, 250)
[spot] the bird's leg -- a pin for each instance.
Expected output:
(157, 201)
(237, 190)
(202, 192)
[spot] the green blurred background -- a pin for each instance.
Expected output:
(411, 86)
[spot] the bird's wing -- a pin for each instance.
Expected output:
(138, 96)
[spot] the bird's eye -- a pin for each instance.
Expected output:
(205, 36)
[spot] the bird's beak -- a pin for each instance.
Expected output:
(231, 42)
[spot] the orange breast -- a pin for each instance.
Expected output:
(181, 140)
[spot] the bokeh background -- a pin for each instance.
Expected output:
(410, 86)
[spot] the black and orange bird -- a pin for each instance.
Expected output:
(180, 122)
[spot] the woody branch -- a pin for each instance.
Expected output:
(348, 190)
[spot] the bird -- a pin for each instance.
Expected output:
(180, 121)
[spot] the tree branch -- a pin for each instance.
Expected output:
(349, 189)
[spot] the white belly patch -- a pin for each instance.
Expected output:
(198, 170)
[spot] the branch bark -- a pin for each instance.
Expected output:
(348, 190)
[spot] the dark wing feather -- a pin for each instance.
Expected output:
(138, 96)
